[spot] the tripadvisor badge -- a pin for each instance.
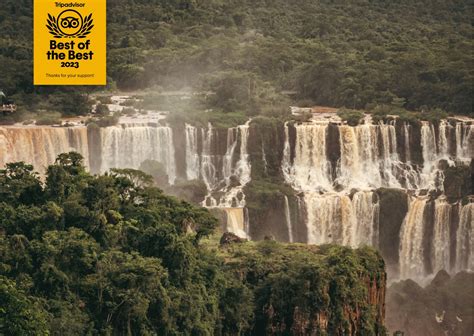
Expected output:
(69, 42)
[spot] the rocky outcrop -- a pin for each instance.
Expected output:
(444, 307)
(393, 207)
(458, 181)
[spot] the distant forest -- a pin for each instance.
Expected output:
(355, 54)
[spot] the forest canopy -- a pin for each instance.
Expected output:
(113, 255)
(336, 53)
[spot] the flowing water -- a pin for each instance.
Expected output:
(333, 169)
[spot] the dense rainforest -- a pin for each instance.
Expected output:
(257, 56)
(112, 255)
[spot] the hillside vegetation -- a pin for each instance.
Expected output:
(336, 53)
(111, 255)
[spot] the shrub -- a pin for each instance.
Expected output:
(102, 109)
(52, 118)
(352, 117)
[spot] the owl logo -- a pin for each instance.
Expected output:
(69, 23)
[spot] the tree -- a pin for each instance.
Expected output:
(71, 103)
(20, 184)
(20, 314)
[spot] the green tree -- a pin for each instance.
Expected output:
(20, 314)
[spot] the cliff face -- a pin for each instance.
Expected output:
(309, 290)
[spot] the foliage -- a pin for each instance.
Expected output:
(105, 120)
(111, 254)
(277, 273)
(51, 118)
(352, 117)
(102, 109)
(335, 54)
(20, 314)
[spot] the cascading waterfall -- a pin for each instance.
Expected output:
(441, 247)
(236, 221)
(464, 134)
(310, 170)
(335, 218)
(333, 168)
(411, 240)
(286, 164)
(406, 135)
(366, 161)
(369, 159)
(443, 139)
(40, 146)
(465, 239)
(289, 224)
(208, 164)
(225, 175)
(428, 145)
(128, 146)
(192, 156)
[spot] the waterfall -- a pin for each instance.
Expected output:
(236, 221)
(443, 139)
(411, 240)
(243, 165)
(192, 156)
(39, 146)
(406, 135)
(286, 160)
(441, 246)
(366, 161)
(465, 239)
(366, 219)
(333, 170)
(464, 134)
(234, 195)
(458, 135)
(335, 218)
(129, 146)
(289, 224)
(428, 145)
(225, 175)
(310, 170)
(227, 168)
(208, 168)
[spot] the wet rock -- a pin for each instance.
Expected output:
(230, 238)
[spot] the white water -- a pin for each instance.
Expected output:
(128, 147)
(465, 239)
(236, 221)
(406, 135)
(40, 146)
(192, 156)
(368, 160)
(440, 251)
(289, 224)
(411, 240)
(335, 218)
(226, 175)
